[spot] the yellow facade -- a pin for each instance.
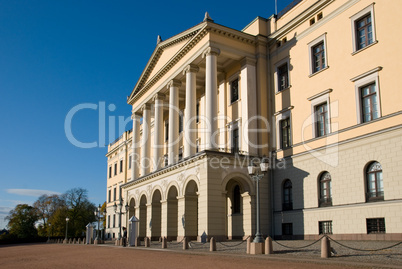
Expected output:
(312, 89)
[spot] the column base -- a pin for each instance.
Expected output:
(257, 248)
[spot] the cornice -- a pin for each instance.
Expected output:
(120, 145)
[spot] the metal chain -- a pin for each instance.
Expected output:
(236, 244)
(298, 247)
(369, 250)
(176, 242)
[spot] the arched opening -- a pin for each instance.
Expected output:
(131, 210)
(234, 208)
(374, 182)
(143, 217)
(172, 214)
(190, 218)
(156, 216)
(325, 189)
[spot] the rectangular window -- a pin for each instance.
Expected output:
(130, 159)
(369, 102)
(364, 32)
(283, 77)
(166, 131)
(318, 53)
(322, 122)
(325, 227)
(121, 166)
(115, 169)
(287, 228)
(114, 221)
(285, 133)
(181, 121)
(108, 221)
(197, 146)
(165, 160)
(235, 140)
(180, 154)
(114, 194)
(234, 90)
(110, 171)
(375, 226)
(197, 110)
(110, 196)
(113, 235)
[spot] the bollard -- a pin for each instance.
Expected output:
(325, 248)
(268, 246)
(146, 242)
(137, 242)
(164, 242)
(212, 244)
(248, 245)
(74, 241)
(185, 243)
(70, 241)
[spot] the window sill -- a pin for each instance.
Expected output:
(237, 101)
(366, 47)
(281, 91)
(318, 72)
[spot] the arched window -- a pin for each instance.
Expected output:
(236, 200)
(375, 186)
(287, 195)
(325, 189)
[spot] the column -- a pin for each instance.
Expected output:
(248, 107)
(145, 144)
(173, 146)
(190, 123)
(222, 115)
(135, 144)
(158, 131)
(181, 209)
(211, 98)
(149, 221)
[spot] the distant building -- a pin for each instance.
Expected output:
(313, 89)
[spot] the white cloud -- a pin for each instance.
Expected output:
(31, 192)
(4, 210)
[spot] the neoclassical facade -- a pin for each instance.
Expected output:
(311, 89)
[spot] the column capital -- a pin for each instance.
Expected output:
(174, 83)
(146, 106)
(247, 61)
(159, 96)
(135, 114)
(211, 51)
(192, 68)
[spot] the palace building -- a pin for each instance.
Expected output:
(311, 91)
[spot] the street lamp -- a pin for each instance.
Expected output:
(98, 216)
(119, 206)
(257, 176)
(67, 219)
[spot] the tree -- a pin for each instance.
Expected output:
(46, 206)
(21, 221)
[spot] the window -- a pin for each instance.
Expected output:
(369, 102)
(121, 166)
(130, 159)
(166, 131)
(180, 153)
(197, 149)
(319, 16)
(285, 133)
(325, 227)
(312, 21)
(325, 190)
(235, 140)
(234, 90)
(115, 169)
(236, 207)
(114, 222)
(322, 122)
(114, 194)
(110, 196)
(197, 110)
(113, 235)
(110, 171)
(375, 185)
(108, 221)
(318, 54)
(165, 160)
(287, 195)
(283, 77)
(375, 226)
(181, 121)
(287, 228)
(367, 92)
(363, 30)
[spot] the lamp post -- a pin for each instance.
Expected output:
(48, 232)
(257, 175)
(67, 219)
(98, 216)
(119, 212)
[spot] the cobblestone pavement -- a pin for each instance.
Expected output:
(346, 251)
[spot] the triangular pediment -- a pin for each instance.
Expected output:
(163, 53)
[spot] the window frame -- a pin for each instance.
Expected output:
(362, 80)
(378, 224)
(287, 205)
(276, 74)
(321, 118)
(325, 227)
(379, 195)
(121, 166)
(130, 159)
(325, 200)
(283, 130)
(318, 100)
(279, 117)
(234, 99)
(321, 39)
(288, 226)
(354, 19)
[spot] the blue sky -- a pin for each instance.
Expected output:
(57, 55)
